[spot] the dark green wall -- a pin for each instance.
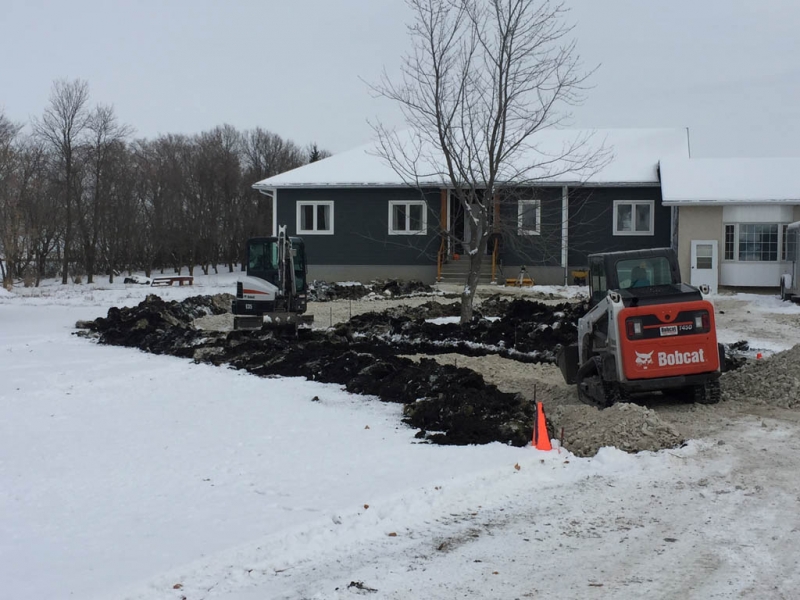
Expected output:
(591, 226)
(543, 249)
(361, 225)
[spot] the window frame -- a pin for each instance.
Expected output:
(736, 226)
(729, 243)
(652, 229)
(407, 203)
(520, 211)
(315, 204)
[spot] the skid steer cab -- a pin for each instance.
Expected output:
(645, 331)
(274, 291)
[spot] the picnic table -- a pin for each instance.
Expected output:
(170, 279)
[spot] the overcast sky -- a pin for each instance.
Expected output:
(727, 69)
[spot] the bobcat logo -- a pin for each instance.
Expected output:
(642, 360)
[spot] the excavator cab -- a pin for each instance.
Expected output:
(264, 262)
(274, 290)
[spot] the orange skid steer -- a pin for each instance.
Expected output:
(645, 331)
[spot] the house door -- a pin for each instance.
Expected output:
(705, 264)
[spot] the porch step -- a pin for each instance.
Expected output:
(456, 272)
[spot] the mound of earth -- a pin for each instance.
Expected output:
(773, 381)
(322, 291)
(527, 331)
(626, 426)
(449, 405)
(156, 325)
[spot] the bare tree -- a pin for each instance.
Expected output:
(11, 232)
(265, 154)
(105, 135)
(482, 79)
(62, 128)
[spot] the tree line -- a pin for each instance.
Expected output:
(80, 196)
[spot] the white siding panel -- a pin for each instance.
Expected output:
(752, 213)
(756, 274)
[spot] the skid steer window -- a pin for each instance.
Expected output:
(598, 280)
(637, 273)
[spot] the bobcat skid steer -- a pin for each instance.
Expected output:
(645, 332)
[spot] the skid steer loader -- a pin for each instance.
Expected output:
(274, 290)
(645, 331)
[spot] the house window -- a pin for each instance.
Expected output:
(529, 217)
(315, 218)
(758, 242)
(408, 217)
(633, 217)
(730, 242)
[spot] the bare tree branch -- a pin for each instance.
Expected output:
(482, 79)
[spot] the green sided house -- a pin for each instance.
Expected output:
(360, 220)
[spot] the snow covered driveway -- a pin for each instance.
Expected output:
(128, 475)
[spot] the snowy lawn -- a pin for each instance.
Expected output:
(128, 475)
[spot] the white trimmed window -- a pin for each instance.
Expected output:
(529, 217)
(408, 217)
(756, 242)
(315, 217)
(634, 217)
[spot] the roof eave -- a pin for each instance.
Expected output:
(396, 184)
(687, 202)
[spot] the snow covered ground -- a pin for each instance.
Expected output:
(128, 475)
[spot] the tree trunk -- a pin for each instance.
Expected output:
(478, 238)
(67, 242)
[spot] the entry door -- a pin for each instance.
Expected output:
(705, 264)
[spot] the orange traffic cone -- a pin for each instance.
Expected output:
(541, 439)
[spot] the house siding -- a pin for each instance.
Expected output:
(591, 222)
(698, 223)
(361, 227)
(543, 249)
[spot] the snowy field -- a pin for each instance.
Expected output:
(129, 475)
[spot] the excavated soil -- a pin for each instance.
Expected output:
(460, 384)
(322, 291)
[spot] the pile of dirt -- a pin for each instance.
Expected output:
(773, 381)
(156, 325)
(449, 405)
(527, 331)
(322, 291)
(629, 427)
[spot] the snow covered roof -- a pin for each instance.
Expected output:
(740, 180)
(634, 156)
